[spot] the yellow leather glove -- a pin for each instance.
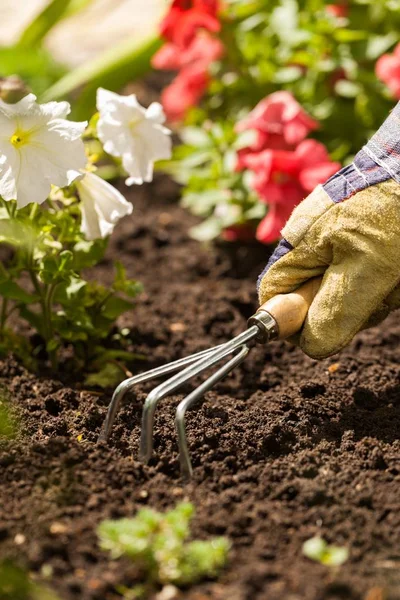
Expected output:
(355, 244)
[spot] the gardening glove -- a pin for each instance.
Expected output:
(348, 232)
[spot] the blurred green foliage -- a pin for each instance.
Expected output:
(16, 584)
(326, 62)
(157, 543)
(8, 423)
(112, 69)
(50, 80)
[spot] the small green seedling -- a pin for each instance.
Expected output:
(158, 545)
(319, 550)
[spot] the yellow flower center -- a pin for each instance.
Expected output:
(133, 122)
(20, 138)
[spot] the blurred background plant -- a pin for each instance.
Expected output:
(16, 584)
(46, 43)
(244, 174)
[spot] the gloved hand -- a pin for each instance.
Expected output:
(353, 240)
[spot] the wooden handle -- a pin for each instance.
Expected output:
(290, 310)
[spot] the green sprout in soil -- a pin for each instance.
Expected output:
(16, 584)
(319, 550)
(157, 544)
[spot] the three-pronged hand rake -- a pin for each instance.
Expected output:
(279, 318)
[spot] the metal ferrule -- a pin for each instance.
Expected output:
(267, 326)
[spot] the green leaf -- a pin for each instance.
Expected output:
(87, 254)
(347, 89)
(110, 375)
(112, 69)
(202, 203)
(284, 18)
(42, 24)
(350, 35)
(195, 136)
(74, 288)
(287, 75)
(10, 289)
(379, 44)
(16, 584)
(206, 231)
(37, 69)
(33, 319)
(115, 306)
(52, 345)
(317, 549)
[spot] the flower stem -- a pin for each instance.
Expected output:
(46, 293)
(49, 324)
(34, 210)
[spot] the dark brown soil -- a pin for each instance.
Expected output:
(284, 449)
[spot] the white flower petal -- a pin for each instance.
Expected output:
(107, 99)
(61, 161)
(55, 110)
(91, 226)
(32, 182)
(155, 113)
(133, 133)
(156, 140)
(115, 137)
(22, 107)
(38, 148)
(9, 168)
(139, 168)
(104, 98)
(102, 206)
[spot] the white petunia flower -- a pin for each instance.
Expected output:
(38, 148)
(132, 132)
(102, 206)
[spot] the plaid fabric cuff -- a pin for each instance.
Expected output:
(282, 248)
(357, 176)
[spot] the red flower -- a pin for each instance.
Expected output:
(185, 91)
(282, 178)
(203, 50)
(387, 69)
(192, 81)
(185, 17)
(279, 120)
(338, 10)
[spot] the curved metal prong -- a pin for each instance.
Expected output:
(126, 385)
(172, 384)
(191, 400)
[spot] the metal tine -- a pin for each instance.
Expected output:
(192, 399)
(172, 384)
(126, 385)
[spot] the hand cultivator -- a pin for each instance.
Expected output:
(278, 318)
